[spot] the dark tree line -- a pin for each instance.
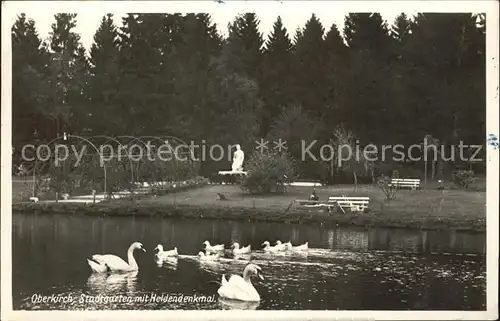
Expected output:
(173, 74)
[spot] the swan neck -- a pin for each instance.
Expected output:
(246, 276)
(131, 259)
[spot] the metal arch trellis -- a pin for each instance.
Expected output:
(100, 156)
(44, 163)
(132, 139)
(108, 138)
(162, 142)
(66, 137)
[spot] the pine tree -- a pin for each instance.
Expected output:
(64, 45)
(104, 116)
(336, 66)
(29, 90)
(444, 74)
(199, 43)
(401, 28)
(368, 44)
(245, 31)
(276, 88)
(366, 31)
(310, 74)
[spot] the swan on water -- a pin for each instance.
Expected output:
(303, 247)
(208, 257)
(241, 288)
(213, 248)
(269, 248)
(243, 250)
(160, 254)
(101, 263)
(283, 246)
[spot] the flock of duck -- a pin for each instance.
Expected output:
(235, 288)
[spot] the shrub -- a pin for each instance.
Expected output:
(268, 172)
(389, 189)
(463, 178)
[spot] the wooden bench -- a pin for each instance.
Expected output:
(412, 183)
(353, 204)
(345, 203)
(313, 204)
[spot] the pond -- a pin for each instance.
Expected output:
(344, 268)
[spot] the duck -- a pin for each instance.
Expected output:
(101, 263)
(303, 247)
(208, 257)
(213, 248)
(241, 288)
(243, 250)
(165, 254)
(283, 246)
(269, 248)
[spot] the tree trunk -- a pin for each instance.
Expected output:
(425, 172)
(373, 172)
(355, 181)
(433, 171)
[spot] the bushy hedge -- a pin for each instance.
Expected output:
(268, 172)
(463, 178)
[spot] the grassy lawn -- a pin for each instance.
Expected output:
(425, 208)
(440, 203)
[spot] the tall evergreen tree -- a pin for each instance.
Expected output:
(401, 27)
(173, 74)
(104, 116)
(247, 42)
(451, 67)
(64, 45)
(276, 87)
(368, 40)
(29, 91)
(310, 74)
(336, 62)
(78, 93)
(199, 44)
(401, 113)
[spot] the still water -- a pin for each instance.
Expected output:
(344, 269)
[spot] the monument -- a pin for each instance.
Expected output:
(237, 165)
(238, 158)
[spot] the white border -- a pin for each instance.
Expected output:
(9, 10)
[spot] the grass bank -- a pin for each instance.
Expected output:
(420, 209)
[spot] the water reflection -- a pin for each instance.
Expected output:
(104, 283)
(344, 268)
(238, 305)
(168, 263)
(351, 240)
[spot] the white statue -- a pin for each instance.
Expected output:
(238, 158)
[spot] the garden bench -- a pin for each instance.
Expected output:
(313, 204)
(354, 204)
(412, 183)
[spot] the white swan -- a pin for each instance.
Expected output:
(213, 248)
(207, 257)
(165, 254)
(241, 288)
(102, 263)
(243, 250)
(269, 248)
(303, 247)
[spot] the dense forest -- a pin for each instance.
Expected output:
(173, 74)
